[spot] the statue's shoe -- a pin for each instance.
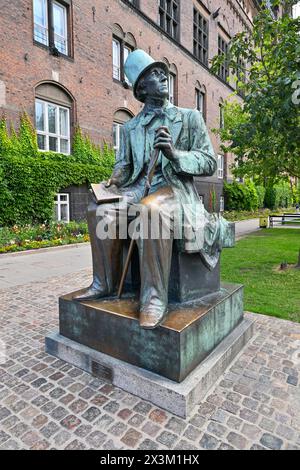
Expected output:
(91, 293)
(152, 317)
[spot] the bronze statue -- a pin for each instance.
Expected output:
(183, 150)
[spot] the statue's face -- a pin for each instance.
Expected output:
(155, 83)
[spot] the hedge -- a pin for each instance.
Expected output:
(29, 179)
(248, 197)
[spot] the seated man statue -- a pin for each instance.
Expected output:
(185, 151)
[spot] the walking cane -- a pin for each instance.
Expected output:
(150, 173)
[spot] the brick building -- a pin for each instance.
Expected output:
(62, 61)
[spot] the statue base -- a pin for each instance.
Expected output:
(177, 398)
(187, 336)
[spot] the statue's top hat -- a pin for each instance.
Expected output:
(137, 64)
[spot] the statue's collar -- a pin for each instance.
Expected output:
(149, 112)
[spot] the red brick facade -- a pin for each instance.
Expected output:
(88, 74)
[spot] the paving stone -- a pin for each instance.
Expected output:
(176, 425)
(70, 422)
(61, 438)
(142, 407)
(75, 445)
(91, 414)
(216, 428)
(255, 400)
(224, 446)
(30, 438)
(50, 429)
(78, 406)
(118, 429)
(234, 423)
(158, 416)
(3, 436)
(270, 441)
(209, 442)
(136, 420)
(125, 413)
(251, 431)
(185, 445)
(151, 429)
(167, 438)
(147, 444)
(238, 441)
(4, 413)
(83, 430)
(248, 415)
(96, 439)
(10, 445)
(192, 433)
(104, 422)
(285, 432)
(131, 438)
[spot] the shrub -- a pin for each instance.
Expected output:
(279, 195)
(240, 196)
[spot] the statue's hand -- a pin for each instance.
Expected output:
(115, 179)
(164, 142)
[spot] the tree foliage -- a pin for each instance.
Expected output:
(264, 131)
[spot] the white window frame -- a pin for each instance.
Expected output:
(172, 79)
(200, 97)
(222, 204)
(41, 26)
(116, 56)
(126, 48)
(220, 166)
(48, 134)
(63, 39)
(116, 144)
(59, 203)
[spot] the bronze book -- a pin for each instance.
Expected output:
(103, 194)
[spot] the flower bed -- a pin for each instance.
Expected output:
(29, 237)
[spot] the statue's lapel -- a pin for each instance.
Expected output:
(137, 140)
(175, 127)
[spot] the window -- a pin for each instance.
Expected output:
(200, 102)
(62, 207)
(223, 49)
(51, 24)
(40, 12)
(120, 51)
(120, 117)
(200, 37)
(116, 59)
(220, 166)
(221, 115)
(172, 79)
(222, 204)
(60, 28)
(116, 135)
(52, 126)
(169, 17)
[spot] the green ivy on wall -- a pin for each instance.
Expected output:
(29, 179)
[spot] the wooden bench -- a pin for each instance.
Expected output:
(283, 218)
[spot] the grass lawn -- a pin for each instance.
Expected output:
(255, 262)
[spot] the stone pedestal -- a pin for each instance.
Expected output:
(177, 398)
(189, 333)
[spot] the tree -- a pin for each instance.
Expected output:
(264, 131)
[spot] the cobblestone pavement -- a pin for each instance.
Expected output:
(46, 403)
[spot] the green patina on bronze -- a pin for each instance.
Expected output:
(188, 334)
(180, 139)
